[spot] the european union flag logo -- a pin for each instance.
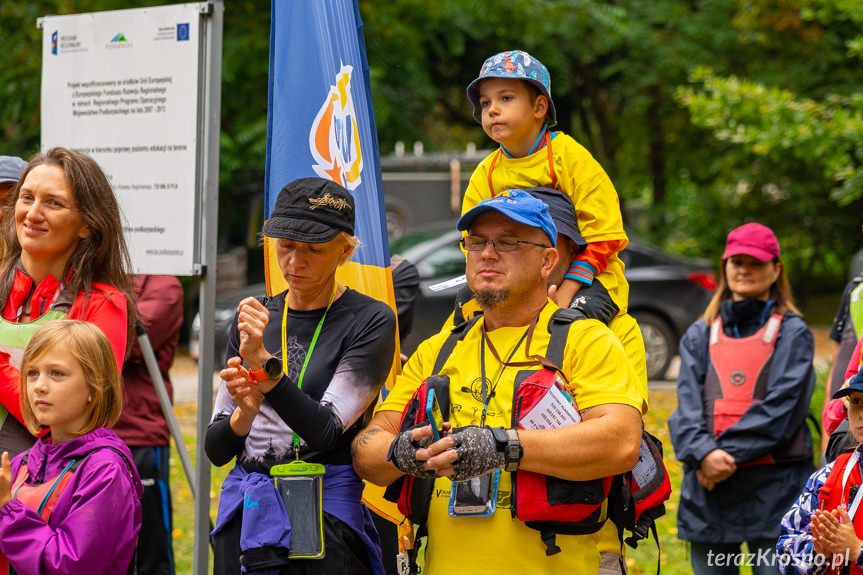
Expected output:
(183, 32)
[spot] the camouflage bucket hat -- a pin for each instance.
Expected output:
(520, 66)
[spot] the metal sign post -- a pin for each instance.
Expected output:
(140, 91)
(209, 205)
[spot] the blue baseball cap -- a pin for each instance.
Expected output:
(518, 65)
(11, 168)
(856, 384)
(518, 206)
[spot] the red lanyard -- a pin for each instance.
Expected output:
(550, 164)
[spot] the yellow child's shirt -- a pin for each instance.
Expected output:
(579, 176)
(598, 373)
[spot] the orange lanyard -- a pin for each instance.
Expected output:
(550, 164)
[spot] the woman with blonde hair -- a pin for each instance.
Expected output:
(303, 367)
(65, 257)
(743, 394)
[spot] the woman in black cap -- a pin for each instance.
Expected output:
(302, 369)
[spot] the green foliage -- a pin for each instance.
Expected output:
(706, 114)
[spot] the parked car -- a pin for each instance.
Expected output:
(666, 292)
(225, 308)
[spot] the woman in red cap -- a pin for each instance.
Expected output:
(743, 393)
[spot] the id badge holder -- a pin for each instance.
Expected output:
(300, 486)
(475, 497)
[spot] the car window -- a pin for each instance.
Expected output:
(634, 258)
(443, 263)
(406, 242)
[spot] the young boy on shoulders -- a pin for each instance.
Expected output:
(511, 98)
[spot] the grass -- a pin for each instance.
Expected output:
(674, 559)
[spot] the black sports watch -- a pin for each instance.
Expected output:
(508, 443)
(272, 369)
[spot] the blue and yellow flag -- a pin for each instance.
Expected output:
(321, 123)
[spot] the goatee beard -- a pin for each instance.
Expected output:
(491, 298)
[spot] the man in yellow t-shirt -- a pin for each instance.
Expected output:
(510, 255)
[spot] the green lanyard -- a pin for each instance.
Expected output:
(308, 353)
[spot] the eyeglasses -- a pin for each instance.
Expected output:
(477, 244)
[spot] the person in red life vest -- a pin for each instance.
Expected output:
(822, 531)
(64, 257)
(743, 393)
(70, 504)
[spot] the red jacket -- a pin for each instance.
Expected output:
(160, 305)
(105, 308)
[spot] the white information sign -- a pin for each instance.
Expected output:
(122, 86)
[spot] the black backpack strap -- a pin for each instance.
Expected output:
(463, 296)
(558, 327)
(455, 336)
(549, 537)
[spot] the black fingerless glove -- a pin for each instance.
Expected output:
(403, 454)
(477, 452)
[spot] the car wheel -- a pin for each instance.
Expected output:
(659, 343)
(398, 220)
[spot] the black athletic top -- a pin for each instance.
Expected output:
(348, 366)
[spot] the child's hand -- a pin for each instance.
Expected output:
(5, 479)
(833, 532)
(562, 295)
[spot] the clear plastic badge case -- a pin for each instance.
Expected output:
(300, 485)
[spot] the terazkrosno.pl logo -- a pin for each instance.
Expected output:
(54, 35)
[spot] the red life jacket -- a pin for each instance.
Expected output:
(42, 497)
(832, 495)
(737, 378)
(548, 504)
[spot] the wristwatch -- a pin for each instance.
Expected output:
(507, 442)
(271, 369)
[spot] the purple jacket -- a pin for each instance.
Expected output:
(94, 527)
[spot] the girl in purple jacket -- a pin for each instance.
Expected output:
(71, 504)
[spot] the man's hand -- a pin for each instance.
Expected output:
(833, 532)
(476, 452)
(718, 465)
(408, 454)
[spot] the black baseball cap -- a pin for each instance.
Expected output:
(312, 211)
(562, 211)
(856, 384)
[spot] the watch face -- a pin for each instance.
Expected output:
(273, 367)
